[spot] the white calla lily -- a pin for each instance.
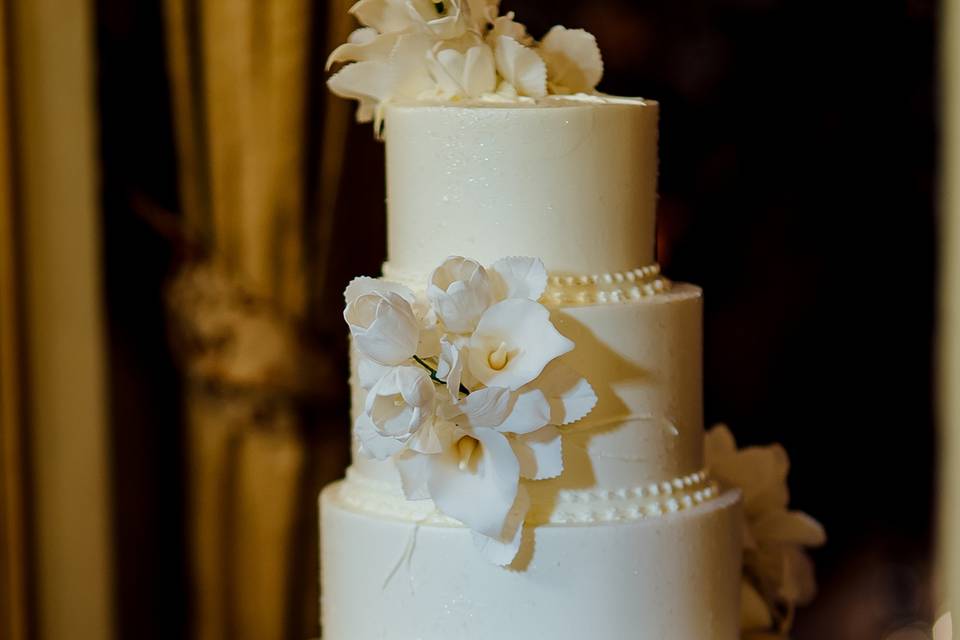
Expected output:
(475, 480)
(513, 342)
(521, 67)
(574, 63)
(459, 292)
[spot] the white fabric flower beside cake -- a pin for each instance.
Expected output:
(778, 575)
(465, 390)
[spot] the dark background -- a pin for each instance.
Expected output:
(798, 146)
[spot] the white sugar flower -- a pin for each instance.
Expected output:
(396, 408)
(459, 292)
(442, 19)
(382, 321)
(518, 277)
(520, 67)
(471, 73)
(505, 25)
(778, 574)
(513, 342)
(574, 63)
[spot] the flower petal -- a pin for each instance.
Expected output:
(531, 341)
(459, 292)
(369, 373)
(755, 614)
(372, 443)
(385, 16)
(501, 551)
(789, 527)
(571, 397)
(529, 411)
(484, 408)
(450, 368)
(574, 63)
(521, 66)
(364, 44)
(481, 496)
(414, 471)
(540, 454)
(383, 326)
(519, 277)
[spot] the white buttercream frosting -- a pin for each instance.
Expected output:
(673, 577)
(571, 182)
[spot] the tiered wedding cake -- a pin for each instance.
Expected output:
(529, 458)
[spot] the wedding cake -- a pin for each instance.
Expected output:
(529, 456)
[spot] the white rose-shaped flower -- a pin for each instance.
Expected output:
(397, 407)
(459, 291)
(777, 571)
(512, 344)
(382, 322)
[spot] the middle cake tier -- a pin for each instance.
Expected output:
(642, 445)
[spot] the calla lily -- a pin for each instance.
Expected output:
(459, 292)
(513, 342)
(574, 63)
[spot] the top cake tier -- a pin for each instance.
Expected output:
(572, 182)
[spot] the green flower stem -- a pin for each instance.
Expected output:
(433, 375)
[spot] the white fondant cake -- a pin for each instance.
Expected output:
(529, 453)
(634, 538)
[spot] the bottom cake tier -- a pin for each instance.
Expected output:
(670, 577)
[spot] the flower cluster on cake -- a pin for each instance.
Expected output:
(452, 50)
(465, 390)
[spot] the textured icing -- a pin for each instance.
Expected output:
(573, 183)
(674, 577)
(588, 506)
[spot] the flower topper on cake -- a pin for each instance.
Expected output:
(453, 50)
(465, 390)
(777, 573)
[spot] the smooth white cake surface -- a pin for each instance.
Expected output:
(570, 182)
(672, 577)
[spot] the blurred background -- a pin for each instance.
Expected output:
(185, 204)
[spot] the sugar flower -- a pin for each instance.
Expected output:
(466, 390)
(450, 50)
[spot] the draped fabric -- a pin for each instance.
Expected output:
(257, 206)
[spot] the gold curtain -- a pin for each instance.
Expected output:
(241, 77)
(949, 345)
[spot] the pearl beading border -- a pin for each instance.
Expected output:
(606, 288)
(615, 287)
(570, 506)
